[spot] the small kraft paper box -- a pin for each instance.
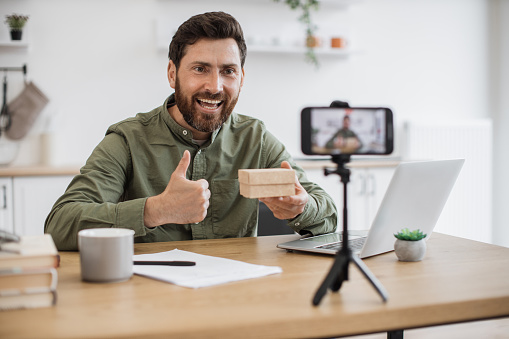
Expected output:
(267, 182)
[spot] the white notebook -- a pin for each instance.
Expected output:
(208, 270)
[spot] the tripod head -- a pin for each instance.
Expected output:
(340, 160)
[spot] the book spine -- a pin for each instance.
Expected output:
(28, 300)
(18, 281)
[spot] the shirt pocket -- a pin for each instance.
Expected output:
(232, 215)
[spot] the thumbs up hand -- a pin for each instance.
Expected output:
(182, 202)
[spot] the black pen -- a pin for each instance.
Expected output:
(165, 263)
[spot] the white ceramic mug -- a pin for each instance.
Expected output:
(106, 254)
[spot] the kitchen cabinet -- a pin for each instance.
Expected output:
(365, 193)
(27, 195)
(6, 209)
(33, 198)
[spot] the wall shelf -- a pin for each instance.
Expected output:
(339, 52)
(14, 44)
(289, 50)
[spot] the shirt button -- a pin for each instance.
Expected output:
(199, 151)
(184, 132)
(297, 224)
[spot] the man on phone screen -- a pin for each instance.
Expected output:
(345, 140)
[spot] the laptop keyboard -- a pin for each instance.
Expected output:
(355, 245)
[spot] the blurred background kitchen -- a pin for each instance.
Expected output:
(442, 66)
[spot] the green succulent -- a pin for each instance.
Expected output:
(16, 21)
(406, 234)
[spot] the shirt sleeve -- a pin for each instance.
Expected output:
(320, 215)
(94, 197)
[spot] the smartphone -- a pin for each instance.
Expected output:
(349, 130)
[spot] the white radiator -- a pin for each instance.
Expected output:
(468, 212)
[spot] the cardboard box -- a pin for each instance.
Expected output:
(267, 182)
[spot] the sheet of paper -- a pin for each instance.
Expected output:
(208, 271)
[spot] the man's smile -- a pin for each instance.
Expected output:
(209, 104)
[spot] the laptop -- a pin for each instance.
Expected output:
(414, 199)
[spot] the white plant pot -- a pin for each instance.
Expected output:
(410, 250)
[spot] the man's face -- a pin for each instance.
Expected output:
(207, 83)
(346, 123)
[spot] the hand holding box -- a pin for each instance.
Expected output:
(267, 182)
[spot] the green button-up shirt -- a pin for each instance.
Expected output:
(136, 159)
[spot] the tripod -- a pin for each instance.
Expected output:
(339, 270)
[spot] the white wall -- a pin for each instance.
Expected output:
(500, 103)
(99, 62)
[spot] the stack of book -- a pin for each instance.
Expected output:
(28, 276)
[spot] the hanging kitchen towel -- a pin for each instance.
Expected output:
(24, 109)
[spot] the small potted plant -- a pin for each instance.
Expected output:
(410, 245)
(305, 7)
(16, 23)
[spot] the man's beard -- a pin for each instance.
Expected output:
(201, 121)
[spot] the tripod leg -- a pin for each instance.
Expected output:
(337, 268)
(372, 279)
(339, 280)
(342, 274)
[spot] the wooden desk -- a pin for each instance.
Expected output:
(459, 280)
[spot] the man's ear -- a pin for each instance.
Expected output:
(242, 80)
(172, 74)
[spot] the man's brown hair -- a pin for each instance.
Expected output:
(211, 25)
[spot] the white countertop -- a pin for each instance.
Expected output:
(311, 163)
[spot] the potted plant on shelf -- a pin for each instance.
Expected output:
(410, 245)
(312, 41)
(16, 23)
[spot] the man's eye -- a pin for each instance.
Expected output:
(199, 69)
(229, 71)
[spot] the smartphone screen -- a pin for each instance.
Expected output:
(332, 130)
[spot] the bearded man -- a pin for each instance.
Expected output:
(172, 173)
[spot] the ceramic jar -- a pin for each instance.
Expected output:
(410, 250)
